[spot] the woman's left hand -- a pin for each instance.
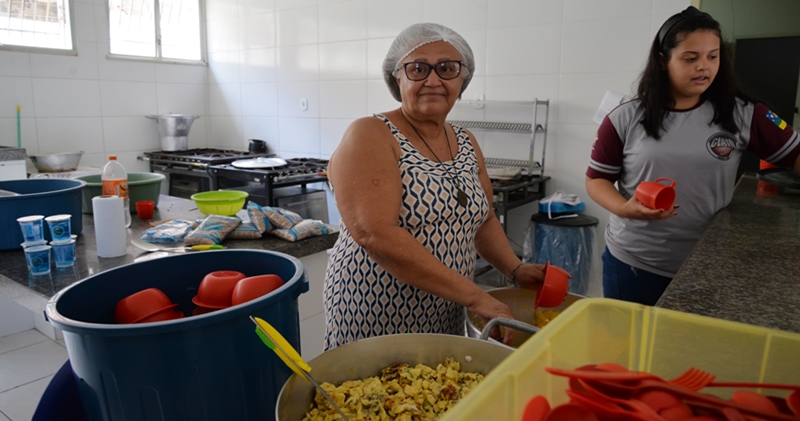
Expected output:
(531, 275)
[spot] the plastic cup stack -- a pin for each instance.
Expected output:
(37, 252)
(63, 243)
(32, 230)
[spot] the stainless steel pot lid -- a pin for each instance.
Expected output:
(259, 162)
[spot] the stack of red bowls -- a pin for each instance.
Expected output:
(226, 288)
(146, 306)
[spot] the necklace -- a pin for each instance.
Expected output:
(460, 195)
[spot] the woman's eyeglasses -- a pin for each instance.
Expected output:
(446, 70)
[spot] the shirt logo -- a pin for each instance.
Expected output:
(721, 145)
(777, 120)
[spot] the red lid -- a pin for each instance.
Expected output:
(112, 157)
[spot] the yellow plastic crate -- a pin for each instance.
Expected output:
(660, 341)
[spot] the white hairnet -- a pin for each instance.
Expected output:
(416, 36)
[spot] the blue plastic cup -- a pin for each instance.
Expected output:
(32, 228)
(64, 252)
(60, 229)
(38, 259)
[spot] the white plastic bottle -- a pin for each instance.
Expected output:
(115, 183)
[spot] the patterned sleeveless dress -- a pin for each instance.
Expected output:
(361, 299)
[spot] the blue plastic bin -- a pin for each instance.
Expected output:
(38, 196)
(207, 367)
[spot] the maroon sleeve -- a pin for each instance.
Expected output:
(606, 159)
(772, 139)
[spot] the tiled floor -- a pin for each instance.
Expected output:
(28, 360)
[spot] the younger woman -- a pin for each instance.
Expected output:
(688, 122)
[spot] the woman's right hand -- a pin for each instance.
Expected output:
(488, 307)
(634, 209)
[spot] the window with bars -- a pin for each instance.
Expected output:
(161, 29)
(36, 23)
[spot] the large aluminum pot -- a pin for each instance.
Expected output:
(367, 357)
(521, 301)
(57, 162)
(174, 130)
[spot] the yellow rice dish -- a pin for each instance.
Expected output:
(401, 393)
(542, 318)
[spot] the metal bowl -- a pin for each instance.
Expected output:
(521, 301)
(57, 162)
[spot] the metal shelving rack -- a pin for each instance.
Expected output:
(531, 186)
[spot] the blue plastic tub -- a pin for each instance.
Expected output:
(207, 367)
(38, 196)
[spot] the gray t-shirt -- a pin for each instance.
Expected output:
(702, 158)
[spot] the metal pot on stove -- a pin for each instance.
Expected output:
(173, 129)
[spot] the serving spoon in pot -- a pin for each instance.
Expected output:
(276, 342)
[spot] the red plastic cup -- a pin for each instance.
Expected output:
(216, 289)
(145, 209)
(656, 195)
(140, 305)
(552, 292)
(163, 315)
(255, 286)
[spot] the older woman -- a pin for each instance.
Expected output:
(414, 194)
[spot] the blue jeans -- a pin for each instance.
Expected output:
(625, 282)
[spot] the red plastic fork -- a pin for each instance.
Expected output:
(693, 379)
(755, 385)
(617, 388)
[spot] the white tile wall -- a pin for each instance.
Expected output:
(290, 95)
(343, 99)
(259, 65)
(344, 60)
(343, 21)
(298, 26)
(257, 30)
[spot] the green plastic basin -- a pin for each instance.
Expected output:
(141, 186)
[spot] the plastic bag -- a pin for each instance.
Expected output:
(170, 232)
(281, 218)
(566, 247)
(213, 230)
(304, 229)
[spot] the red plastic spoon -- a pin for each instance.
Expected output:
(571, 412)
(603, 408)
(658, 399)
(793, 400)
(755, 400)
(536, 409)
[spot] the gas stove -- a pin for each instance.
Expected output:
(208, 156)
(187, 171)
(295, 186)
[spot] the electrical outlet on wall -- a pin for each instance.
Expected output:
(477, 97)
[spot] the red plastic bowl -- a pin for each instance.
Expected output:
(216, 288)
(552, 292)
(253, 287)
(144, 303)
(163, 315)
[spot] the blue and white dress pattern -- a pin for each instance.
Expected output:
(361, 299)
